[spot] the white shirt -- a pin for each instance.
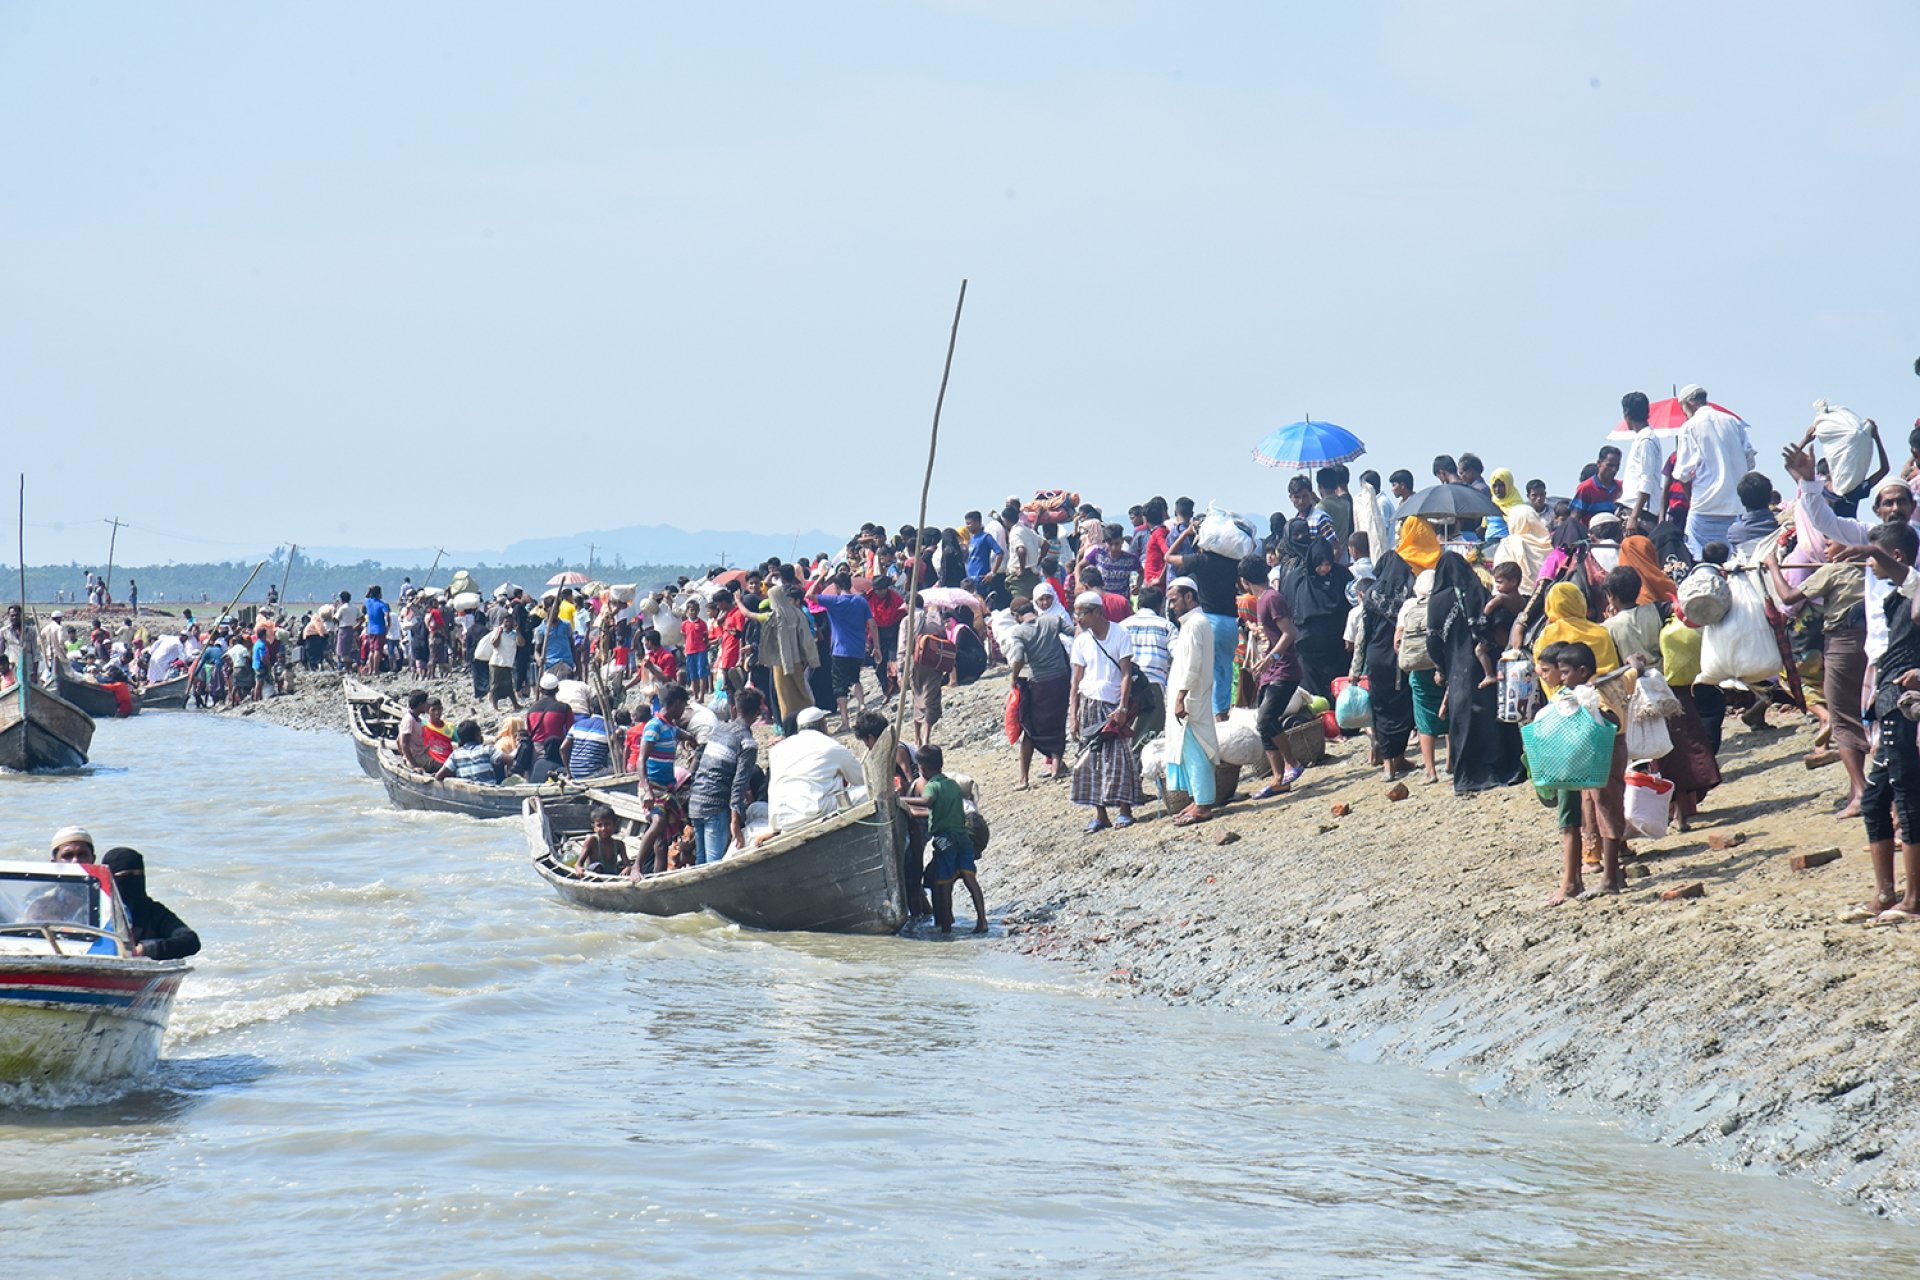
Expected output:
(1714, 453)
(806, 772)
(1101, 660)
(1640, 471)
(1835, 528)
(166, 651)
(1023, 549)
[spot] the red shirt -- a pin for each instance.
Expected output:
(1153, 565)
(732, 627)
(1118, 610)
(888, 607)
(663, 661)
(693, 633)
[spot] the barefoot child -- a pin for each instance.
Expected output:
(1500, 612)
(939, 802)
(1603, 809)
(603, 854)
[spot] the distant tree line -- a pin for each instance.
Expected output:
(216, 581)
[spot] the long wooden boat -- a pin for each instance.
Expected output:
(841, 874)
(77, 1006)
(564, 799)
(41, 730)
(165, 695)
(373, 721)
(90, 696)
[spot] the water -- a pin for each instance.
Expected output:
(400, 1055)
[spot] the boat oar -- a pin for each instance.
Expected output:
(200, 657)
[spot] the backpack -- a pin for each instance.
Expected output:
(935, 653)
(1414, 655)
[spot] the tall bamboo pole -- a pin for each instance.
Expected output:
(920, 526)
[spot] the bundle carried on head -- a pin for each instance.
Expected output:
(1053, 506)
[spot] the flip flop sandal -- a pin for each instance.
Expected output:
(1271, 790)
(1290, 777)
(1092, 827)
(1188, 820)
(1123, 822)
(1895, 915)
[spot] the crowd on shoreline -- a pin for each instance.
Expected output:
(1673, 585)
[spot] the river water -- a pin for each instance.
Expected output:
(401, 1055)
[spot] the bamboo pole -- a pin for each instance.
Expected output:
(920, 526)
(201, 656)
(292, 551)
(23, 678)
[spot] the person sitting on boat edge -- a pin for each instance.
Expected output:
(410, 742)
(808, 771)
(157, 933)
(472, 760)
(603, 853)
(940, 802)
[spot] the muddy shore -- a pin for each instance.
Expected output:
(1748, 1022)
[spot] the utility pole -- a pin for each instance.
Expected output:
(591, 548)
(292, 550)
(112, 542)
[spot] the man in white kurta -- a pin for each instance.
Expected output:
(1192, 744)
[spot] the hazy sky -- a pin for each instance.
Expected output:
(396, 274)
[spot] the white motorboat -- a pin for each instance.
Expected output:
(77, 1006)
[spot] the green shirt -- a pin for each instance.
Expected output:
(945, 814)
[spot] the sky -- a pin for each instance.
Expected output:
(459, 274)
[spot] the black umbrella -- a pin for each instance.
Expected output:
(1449, 502)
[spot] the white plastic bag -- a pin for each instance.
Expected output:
(1845, 442)
(1741, 645)
(1226, 534)
(1239, 743)
(1648, 796)
(1653, 696)
(1647, 736)
(484, 650)
(1704, 596)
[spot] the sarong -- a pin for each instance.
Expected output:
(1043, 714)
(1107, 772)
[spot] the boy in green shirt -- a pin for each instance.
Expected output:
(940, 804)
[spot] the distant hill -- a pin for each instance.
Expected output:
(666, 544)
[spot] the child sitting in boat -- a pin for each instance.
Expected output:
(603, 853)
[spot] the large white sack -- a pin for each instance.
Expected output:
(1239, 742)
(1845, 442)
(1367, 520)
(1741, 645)
(1153, 759)
(1226, 534)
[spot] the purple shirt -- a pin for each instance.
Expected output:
(1272, 611)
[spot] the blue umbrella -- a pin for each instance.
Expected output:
(1308, 444)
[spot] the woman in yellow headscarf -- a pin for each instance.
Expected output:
(1567, 623)
(1419, 544)
(1506, 495)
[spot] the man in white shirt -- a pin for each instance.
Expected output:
(806, 773)
(1641, 471)
(1715, 451)
(53, 647)
(1892, 502)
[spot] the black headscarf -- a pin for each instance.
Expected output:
(1670, 544)
(1391, 587)
(1458, 603)
(1311, 595)
(129, 878)
(1570, 536)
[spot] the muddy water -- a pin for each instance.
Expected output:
(400, 1055)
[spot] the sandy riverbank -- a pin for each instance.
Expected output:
(1748, 1022)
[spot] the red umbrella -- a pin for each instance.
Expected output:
(567, 579)
(1665, 417)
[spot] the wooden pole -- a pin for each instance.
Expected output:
(23, 678)
(112, 542)
(437, 553)
(292, 550)
(200, 656)
(920, 526)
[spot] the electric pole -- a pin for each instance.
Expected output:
(112, 542)
(591, 548)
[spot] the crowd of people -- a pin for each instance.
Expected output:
(1433, 633)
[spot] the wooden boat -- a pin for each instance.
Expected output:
(41, 730)
(841, 874)
(565, 800)
(77, 1005)
(92, 697)
(165, 695)
(373, 721)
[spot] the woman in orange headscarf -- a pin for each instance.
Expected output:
(1419, 544)
(1655, 586)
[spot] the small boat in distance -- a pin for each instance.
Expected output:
(41, 730)
(77, 1006)
(840, 874)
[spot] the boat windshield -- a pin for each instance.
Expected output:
(50, 898)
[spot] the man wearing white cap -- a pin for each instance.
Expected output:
(807, 772)
(72, 844)
(1192, 745)
(53, 646)
(1715, 451)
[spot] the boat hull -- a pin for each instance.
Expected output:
(842, 875)
(409, 790)
(40, 730)
(82, 1020)
(165, 695)
(90, 697)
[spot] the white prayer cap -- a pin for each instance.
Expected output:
(1692, 390)
(1088, 600)
(1183, 584)
(71, 835)
(811, 718)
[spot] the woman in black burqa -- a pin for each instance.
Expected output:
(1482, 752)
(1316, 594)
(157, 933)
(1387, 688)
